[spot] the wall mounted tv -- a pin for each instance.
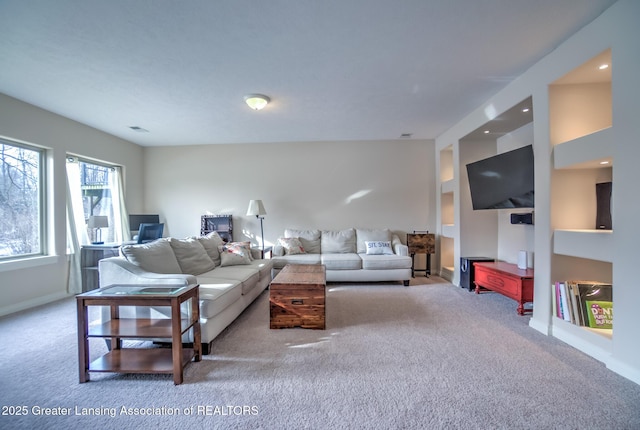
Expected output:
(504, 181)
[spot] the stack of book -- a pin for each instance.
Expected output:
(584, 303)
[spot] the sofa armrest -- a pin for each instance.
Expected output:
(277, 251)
(398, 247)
(117, 270)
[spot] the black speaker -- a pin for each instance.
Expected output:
(603, 211)
(522, 218)
(468, 272)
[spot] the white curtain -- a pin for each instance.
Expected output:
(76, 227)
(121, 221)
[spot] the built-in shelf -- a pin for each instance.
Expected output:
(591, 244)
(597, 343)
(448, 230)
(585, 152)
(447, 186)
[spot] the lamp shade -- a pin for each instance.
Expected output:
(256, 101)
(256, 208)
(98, 221)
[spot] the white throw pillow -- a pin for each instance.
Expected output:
(310, 239)
(211, 242)
(363, 235)
(191, 255)
(155, 257)
(233, 255)
(379, 247)
(291, 245)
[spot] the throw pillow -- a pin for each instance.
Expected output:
(191, 255)
(310, 239)
(155, 257)
(364, 235)
(245, 245)
(291, 245)
(379, 247)
(233, 255)
(211, 242)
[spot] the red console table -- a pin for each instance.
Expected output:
(506, 279)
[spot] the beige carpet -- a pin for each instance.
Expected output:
(431, 356)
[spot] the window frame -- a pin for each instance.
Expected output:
(42, 200)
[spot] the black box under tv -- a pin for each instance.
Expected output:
(467, 271)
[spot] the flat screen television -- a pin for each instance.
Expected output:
(504, 181)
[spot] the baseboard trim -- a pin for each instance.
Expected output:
(28, 304)
(623, 369)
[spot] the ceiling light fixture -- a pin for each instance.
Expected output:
(603, 66)
(604, 162)
(486, 132)
(525, 110)
(256, 101)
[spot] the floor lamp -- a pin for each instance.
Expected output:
(257, 208)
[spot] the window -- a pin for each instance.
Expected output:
(21, 200)
(97, 205)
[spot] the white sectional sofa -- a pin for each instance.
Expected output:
(349, 255)
(230, 277)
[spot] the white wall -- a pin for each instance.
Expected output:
(30, 283)
(513, 238)
(324, 185)
(615, 29)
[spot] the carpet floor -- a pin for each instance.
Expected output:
(431, 356)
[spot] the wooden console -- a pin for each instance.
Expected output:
(506, 279)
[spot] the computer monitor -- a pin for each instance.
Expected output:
(136, 220)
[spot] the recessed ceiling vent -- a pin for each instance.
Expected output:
(139, 129)
(406, 135)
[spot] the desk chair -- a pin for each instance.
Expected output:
(149, 232)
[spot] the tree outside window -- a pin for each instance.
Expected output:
(97, 197)
(21, 200)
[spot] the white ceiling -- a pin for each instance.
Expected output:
(334, 69)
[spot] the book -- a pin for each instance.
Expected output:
(600, 314)
(570, 303)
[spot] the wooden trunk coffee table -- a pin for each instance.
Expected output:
(297, 297)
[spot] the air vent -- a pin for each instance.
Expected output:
(139, 129)
(406, 135)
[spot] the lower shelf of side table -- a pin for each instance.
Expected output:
(139, 360)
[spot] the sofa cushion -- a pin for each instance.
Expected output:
(338, 242)
(233, 255)
(382, 262)
(280, 262)
(211, 242)
(378, 247)
(156, 256)
(191, 255)
(310, 239)
(246, 275)
(291, 245)
(364, 235)
(217, 294)
(345, 261)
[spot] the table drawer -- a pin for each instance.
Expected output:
(497, 282)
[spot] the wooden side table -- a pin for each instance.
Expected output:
(140, 360)
(421, 243)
